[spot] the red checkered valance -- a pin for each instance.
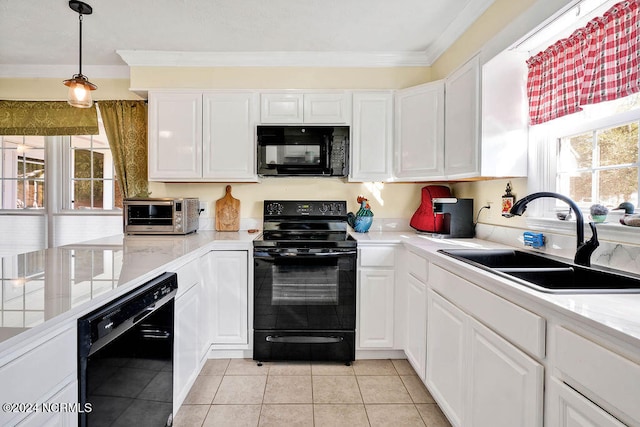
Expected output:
(599, 62)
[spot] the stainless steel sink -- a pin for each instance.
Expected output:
(545, 273)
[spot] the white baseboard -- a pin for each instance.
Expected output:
(380, 354)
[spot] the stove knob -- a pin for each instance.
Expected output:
(274, 209)
(323, 208)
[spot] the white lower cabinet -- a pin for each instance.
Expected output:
(446, 367)
(505, 385)
(568, 408)
(477, 377)
(376, 297)
(228, 298)
(416, 332)
(603, 376)
(376, 291)
(186, 357)
(59, 413)
(190, 330)
(46, 371)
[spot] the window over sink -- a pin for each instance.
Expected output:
(591, 155)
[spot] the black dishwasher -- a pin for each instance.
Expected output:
(125, 358)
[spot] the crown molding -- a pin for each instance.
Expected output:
(465, 18)
(33, 71)
(146, 58)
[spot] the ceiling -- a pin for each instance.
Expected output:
(39, 38)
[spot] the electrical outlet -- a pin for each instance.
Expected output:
(203, 209)
(489, 210)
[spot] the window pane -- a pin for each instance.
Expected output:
(618, 185)
(82, 194)
(619, 145)
(33, 195)
(98, 165)
(576, 152)
(82, 164)
(580, 187)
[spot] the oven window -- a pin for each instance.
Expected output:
(305, 285)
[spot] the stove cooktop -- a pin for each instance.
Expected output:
(305, 224)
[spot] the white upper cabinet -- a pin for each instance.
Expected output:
(281, 107)
(229, 136)
(175, 136)
(310, 108)
(202, 136)
(419, 132)
(462, 121)
(505, 121)
(486, 123)
(372, 137)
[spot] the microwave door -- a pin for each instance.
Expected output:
(150, 214)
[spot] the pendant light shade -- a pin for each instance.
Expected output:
(79, 86)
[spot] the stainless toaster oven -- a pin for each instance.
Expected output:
(161, 215)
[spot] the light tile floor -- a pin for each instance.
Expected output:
(237, 392)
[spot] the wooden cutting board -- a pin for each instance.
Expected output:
(228, 212)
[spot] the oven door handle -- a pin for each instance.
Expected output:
(301, 339)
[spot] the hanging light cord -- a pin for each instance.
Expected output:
(80, 45)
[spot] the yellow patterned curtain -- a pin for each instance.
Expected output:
(46, 118)
(125, 123)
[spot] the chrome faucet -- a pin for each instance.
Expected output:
(584, 249)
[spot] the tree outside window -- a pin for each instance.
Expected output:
(600, 166)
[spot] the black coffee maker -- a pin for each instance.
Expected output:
(458, 216)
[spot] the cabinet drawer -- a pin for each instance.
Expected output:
(188, 275)
(603, 376)
(519, 326)
(383, 256)
(418, 267)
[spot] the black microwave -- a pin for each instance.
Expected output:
(303, 150)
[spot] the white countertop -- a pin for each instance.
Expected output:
(42, 289)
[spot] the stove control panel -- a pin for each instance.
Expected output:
(279, 208)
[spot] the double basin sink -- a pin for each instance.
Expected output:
(545, 273)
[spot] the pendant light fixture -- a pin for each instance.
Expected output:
(79, 86)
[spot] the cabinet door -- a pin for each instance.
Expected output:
(416, 340)
(57, 416)
(567, 408)
(326, 108)
(462, 121)
(186, 357)
(446, 368)
(376, 290)
(228, 299)
(506, 386)
(419, 132)
(229, 136)
(281, 108)
(371, 131)
(505, 115)
(175, 136)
